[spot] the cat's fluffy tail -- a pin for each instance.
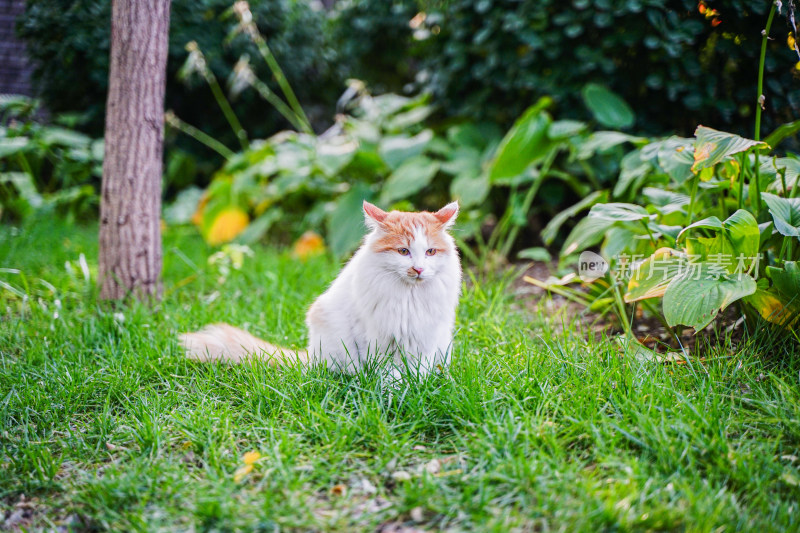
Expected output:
(221, 342)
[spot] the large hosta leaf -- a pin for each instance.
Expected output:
(608, 109)
(785, 212)
(651, 277)
(779, 303)
(781, 132)
(712, 146)
(345, 224)
(397, 149)
(550, 232)
(409, 178)
(586, 233)
(738, 236)
(616, 211)
(676, 157)
(696, 296)
(470, 189)
(524, 144)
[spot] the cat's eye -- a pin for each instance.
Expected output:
(431, 251)
(403, 251)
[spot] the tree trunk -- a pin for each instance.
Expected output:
(130, 205)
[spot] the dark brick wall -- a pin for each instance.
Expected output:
(15, 69)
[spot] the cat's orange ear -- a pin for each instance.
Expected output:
(447, 215)
(374, 215)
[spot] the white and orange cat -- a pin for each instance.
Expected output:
(396, 297)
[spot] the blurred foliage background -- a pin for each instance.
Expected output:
(485, 60)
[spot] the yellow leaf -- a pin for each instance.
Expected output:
(229, 223)
(251, 457)
(309, 244)
(791, 42)
(242, 472)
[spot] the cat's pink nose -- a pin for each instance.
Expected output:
(417, 270)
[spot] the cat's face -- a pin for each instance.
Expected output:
(413, 246)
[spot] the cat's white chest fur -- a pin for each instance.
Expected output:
(374, 308)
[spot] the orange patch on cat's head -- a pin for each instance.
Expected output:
(398, 228)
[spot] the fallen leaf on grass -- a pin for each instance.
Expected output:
(339, 490)
(242, 472)
(308, 245)
(250, 458)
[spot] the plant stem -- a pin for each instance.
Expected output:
(280, 77)
(764, 38)
(757, 136)
(527, 201)
(265, 92)
(741, 182)
(690, 211)
(623, 315)
(650, 234)
(199, 136)
(226, 108)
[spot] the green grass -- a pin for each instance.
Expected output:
(104, 424)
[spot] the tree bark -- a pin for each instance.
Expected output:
(130, 205)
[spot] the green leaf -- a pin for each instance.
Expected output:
(712, 146)
(64, 137)
(535, 254)
(23, 183)
(550, 231)
(650, 278)
(13, 145)
(632, 169)
(786, 280)
(696, 296)
(259, 227)
(184, 206)
(608, 109)
(737, 236)
(475, 135)
(665, 201)
(409, 178)
(397, 149)
(403, 121)
(676, 157)
(345, 223)
(781, 132)
(779, 303)
(334, 154)
(741, 228)
(586, 233)
(463, 160)
(470, 189)
(602, 142)
(791, 169)
(614, 212)
(524, 144)
(564, 129)
(785, 212)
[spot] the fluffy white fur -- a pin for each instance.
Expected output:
(377, 306)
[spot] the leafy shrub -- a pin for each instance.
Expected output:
(45, 166)
(374, 42)
(384, 150)
(490, 59)
(700, 222)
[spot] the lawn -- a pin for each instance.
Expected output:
(535, 427)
